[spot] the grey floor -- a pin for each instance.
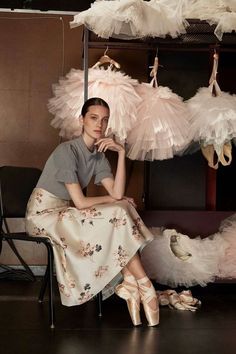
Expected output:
(24, 325)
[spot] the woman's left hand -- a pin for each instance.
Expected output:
(131, 201)
(109, 144)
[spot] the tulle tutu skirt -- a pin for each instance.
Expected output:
(212, 118)
(162, 128)
(221, 13)
(116, 88)
(227, 265)
(199, 266)
(130, 19)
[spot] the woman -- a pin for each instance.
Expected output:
(99, 236)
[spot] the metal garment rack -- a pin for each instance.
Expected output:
(199, 36)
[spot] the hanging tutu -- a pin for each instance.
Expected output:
(227, 265)
(175, 259)
(162, 128)
(221, 13)
(129, 19)
(116, 88)
(213, 120)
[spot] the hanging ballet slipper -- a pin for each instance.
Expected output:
(226, 151)
(177, 250)
(147, 295)
(128, 290)
(208, 152)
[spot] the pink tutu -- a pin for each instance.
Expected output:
(116, 88)
(162, 128)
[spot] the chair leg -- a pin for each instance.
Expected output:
(99, 303)
(48, 280)
(51, 305)
(44, 285)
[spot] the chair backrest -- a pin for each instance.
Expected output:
(16, 185)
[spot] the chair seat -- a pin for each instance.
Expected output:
(23, 236)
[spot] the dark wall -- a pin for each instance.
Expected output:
(182, 182)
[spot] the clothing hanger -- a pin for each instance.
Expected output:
(105, 59)
(213, 78)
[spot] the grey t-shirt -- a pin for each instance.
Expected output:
(73, 162)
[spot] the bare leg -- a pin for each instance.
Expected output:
(135, 267)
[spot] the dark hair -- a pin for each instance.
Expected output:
(94, 101)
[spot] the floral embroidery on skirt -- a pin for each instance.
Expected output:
(90, 246)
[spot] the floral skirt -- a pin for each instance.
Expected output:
(90, 246)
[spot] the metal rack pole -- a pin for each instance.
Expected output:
(85, 63)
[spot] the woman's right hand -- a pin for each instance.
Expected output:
(105, 144)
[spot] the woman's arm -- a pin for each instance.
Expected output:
(81, 201)
(115, 187)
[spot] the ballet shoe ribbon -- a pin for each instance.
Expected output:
(153, 72)
(226, 151)
(213, 84)
(124, 293)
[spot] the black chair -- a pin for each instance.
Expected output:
(16, 185)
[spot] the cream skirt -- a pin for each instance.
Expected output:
(90, 246)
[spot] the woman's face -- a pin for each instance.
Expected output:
(95, 122)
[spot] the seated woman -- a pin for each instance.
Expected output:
(99, 236)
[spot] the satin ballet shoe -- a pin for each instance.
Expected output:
(226, 152)
(147, 295)
(130, 293)
(177, 250)
(209, 153)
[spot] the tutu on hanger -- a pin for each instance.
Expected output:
(213, 120)
(116, 88)
(191, 262)
(129, 19)
(162, 127)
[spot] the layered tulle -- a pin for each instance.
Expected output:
(227, 265)
(162, 128)
(155, 18)
(116, 88)
(130, 19)
(221, 13)
(212, 118)
(167, 265)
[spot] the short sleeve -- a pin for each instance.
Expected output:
(65, 163)
(102, 170)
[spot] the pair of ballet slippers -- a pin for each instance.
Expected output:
(225, 153)
(183, 301)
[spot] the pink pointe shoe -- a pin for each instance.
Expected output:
(128, 290)
(148, 294)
